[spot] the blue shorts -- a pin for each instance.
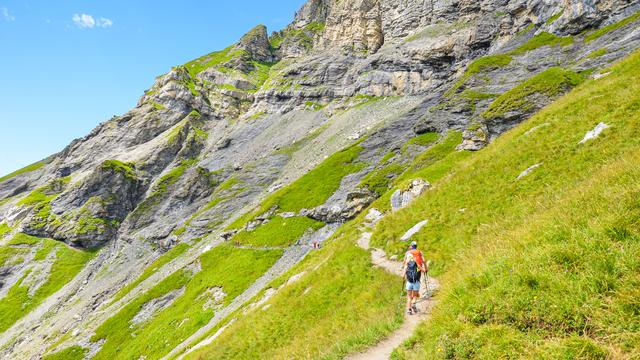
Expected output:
(415, 286)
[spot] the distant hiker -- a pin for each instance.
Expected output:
(412, 268)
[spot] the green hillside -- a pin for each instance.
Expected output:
(545, 265)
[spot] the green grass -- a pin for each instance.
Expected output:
(11, 256)
(598, 53)
(163, 185)
(425, 139)
(31, 168)
(607, 29)
(70, 353)
(4, 229)
(278, 232)
(126, 169)
(540, 40)
(342, 304)
(40, 200)
(68, 263)
(485, 63)
(232, 269)
(24, 239)
(544, 267)
(555, 17)
(550, 83)
(472, 97)
(152, 269)
(313, 188)
(490, 62)
(380, 179)
(213, 59)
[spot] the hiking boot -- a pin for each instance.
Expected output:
(409, 312)
(414, 308)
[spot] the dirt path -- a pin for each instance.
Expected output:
(384, 349)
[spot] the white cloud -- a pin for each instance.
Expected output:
(6, 15)
(105, 23)
(85, 21)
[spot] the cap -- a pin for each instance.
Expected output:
(414, 244)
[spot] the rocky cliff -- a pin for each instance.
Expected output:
(213, 142)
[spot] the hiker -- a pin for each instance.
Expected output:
(412, 268)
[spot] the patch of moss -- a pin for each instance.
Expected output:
(314, 106)
(609, 28)
(482, 64)
(31, 168)
(278, 232)
(380, 179)
(70, 353)
(422, 140)
(598, 53)
(11, 255)
(162, 186)
(555, 17)
(540, 40)
(215, 58)
(24, 239)
(549, 83)
(40, 201)
(303, 36)
(388, 156)
(157, 106)
(4, 229)
(126, 169)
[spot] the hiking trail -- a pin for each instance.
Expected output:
(383, 349)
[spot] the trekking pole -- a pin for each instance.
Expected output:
(427, 293)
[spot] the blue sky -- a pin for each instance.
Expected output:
(67, 65)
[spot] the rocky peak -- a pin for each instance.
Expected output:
(256, 44)
(313, 11)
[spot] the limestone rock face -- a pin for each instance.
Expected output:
(354, 25)
(256, 44)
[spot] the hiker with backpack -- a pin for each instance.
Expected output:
(413, 267)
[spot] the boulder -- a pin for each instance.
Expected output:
(474, 139)
(402, 198)
(414, 230)
(595, 132)
(357, 200)
(528, 171)
(373, 216)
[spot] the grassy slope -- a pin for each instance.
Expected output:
(72, 353)
(546, 265)
(232, 269)
(24, 170)
(319, 316)
(517, 281)
(278, 232)
(68, 263)
(151, 269)
(313, 188)
(309, 191)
